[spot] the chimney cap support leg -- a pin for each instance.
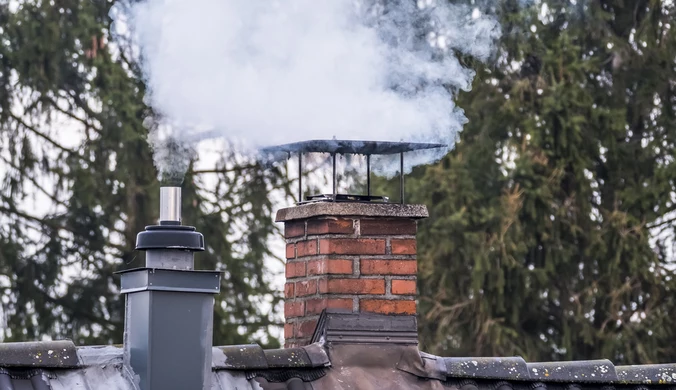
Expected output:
(401, 177)
(368, 174)
(333, 155)
(300, 176)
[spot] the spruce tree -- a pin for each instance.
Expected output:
(65, 76)
(550, 222)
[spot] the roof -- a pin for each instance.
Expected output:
(351, 147)
(250, 367)
(349, 351)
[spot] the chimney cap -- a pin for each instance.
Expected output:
(335, 147)
(351, 147)
(170, 237)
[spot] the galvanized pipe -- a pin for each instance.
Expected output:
(170, 204)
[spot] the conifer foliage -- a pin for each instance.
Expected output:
(77, 183)
(552, 220)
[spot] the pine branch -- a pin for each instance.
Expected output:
(82, 104)
(42, 135)
(13, 210)
(72, 306)
(49, 223)
(72, 116)
(665, 222)
(35, 183)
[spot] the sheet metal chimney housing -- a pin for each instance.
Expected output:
(168, 327)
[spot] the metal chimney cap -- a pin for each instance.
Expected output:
(335, 147)
(351, 147)
(170, 237)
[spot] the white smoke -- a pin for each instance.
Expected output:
(273, 72)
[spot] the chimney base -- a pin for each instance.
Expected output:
(354, 257)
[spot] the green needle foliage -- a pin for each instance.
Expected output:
(77, 183)
(550, 223)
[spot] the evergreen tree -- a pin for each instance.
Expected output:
(78, 184)
(550, 221)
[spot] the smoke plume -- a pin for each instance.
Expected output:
(273, 72)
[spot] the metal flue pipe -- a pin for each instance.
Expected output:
(170, 204)
(169, 306)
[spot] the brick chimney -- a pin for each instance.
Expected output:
(356, 257)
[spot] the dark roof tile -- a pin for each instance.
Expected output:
(60, 366)
(50, 354)
(310, 356)
(588, 371)
(581, 371)
(239, 357)
(22, 379)
(648, 374)
(253, 357)
(514, 368)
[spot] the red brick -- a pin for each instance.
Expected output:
(385, 306)
(403, 247)
(387, 227)
(315, 306)
(288, 331)
(294, 229)
(294, 309)
(329, 266)
(351, 246)
(295, 269)
(323, 286)
(289, 291)
(306, 287)
(306, 328)
(353, 286)
(339, 303)
(330, 226)
(389, 267)
(403, 287)
(294, 344)
(290, 251)
(306, 248)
